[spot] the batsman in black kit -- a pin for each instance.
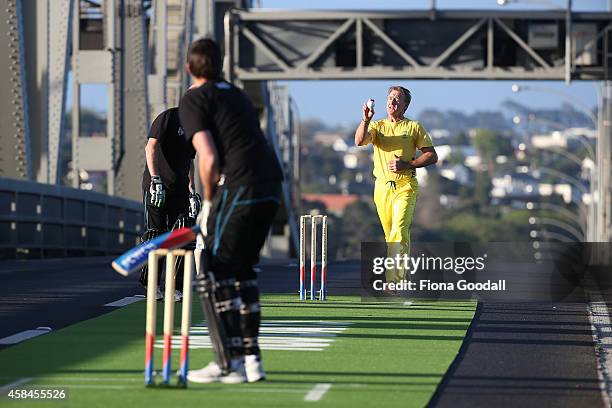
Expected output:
(167, 184)
(242, 178)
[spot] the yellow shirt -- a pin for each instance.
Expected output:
(399, 139)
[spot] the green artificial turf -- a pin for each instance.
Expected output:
(388, 355)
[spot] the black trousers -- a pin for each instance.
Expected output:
(238, 225)
(162, 219)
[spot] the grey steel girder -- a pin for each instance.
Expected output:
(60, 40)
(15, 150)
(117, 59)
(479, 44)
(134, 101)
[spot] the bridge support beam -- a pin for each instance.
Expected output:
(15, 146)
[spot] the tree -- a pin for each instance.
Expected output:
(489, 145)
(456, 156)
(460, 139)
(485, 143)
(359, 224)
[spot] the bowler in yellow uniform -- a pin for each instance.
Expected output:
(396, 139)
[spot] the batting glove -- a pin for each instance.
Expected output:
(195, 203)
(158, 192)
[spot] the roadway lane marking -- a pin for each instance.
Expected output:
(126, 301)
(7, 387)
(24, 335)
(317, 392)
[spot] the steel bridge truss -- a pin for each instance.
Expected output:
(284, 45)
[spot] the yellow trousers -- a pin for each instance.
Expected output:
(395, 203)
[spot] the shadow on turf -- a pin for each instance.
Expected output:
(385, 318)
(370, 306)
(399, 308)
(480, 327)
(400, 324)
(356, 374)
(76, 344)
(356, 382)
(555, 382)
(383, 325)
(383, 378)
(68, 371)
(570, 382)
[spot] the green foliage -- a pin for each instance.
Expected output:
(359, 224)
(460, 139)
(482, 188)
(455, 157)
(469, 227)
(318, 164)
(488, 144)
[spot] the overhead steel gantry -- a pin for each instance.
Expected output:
(449, 44)
(432, 44)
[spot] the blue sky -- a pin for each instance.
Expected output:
(339, 102)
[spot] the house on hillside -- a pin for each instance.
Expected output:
(334, 203)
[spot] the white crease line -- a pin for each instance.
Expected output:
(20, 381)
(24, 335)
(94, 386)
(87, 379)
(123, 387)
(125, 301)
(317, 392)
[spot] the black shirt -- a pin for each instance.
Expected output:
(177, 153)
(245, 157)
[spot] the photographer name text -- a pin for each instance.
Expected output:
(429, 285)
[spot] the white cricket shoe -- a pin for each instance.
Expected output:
(237, 373)
(254, 368)
(212, 373)
(178, 296)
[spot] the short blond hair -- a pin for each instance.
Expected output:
(404, 91)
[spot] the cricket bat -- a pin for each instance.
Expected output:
(135, 258)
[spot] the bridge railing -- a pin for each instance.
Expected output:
(42, 220)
